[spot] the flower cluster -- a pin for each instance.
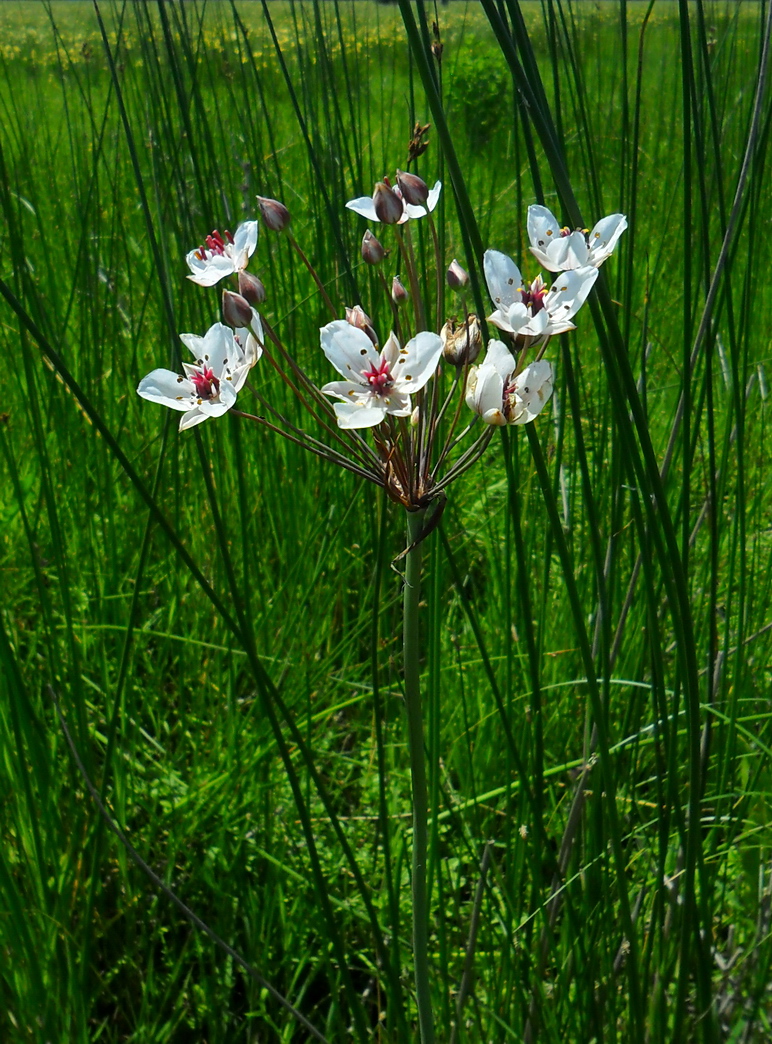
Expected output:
(395, 389)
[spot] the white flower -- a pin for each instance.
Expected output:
(501, 398)
(365, 207)
(559, 249)
(208, 388)
(530, 310)
(376, 383)
(218, 257)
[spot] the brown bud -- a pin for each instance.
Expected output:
(414, 189)
(275, 214)
(456, 277)
(236, 310)
(389, 208)
(461, 342)
(372, 251)
(251, 288)
(359, 318)
(399, 294)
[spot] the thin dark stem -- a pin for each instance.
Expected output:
(412, 648)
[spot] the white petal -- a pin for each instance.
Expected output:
(543, 229)
(396, 402)
(216, 407)
(349, 349)
(434, 196)
(391, 350)
(499, 357)
(256, 326)
(194, 343)
(245, 239)
(346, 390)
(503, 278)
(412, 210)
(356, 415)
(520, 319)
(195, 416)
(568, 293)
(168, 388)
(499, 318)
(238, 377)
(533, 389)
(417, 362)
(219, 350)
(604, 237)
(210, 270)
(536, 325)
(568, 252)
(365, 207)
(489, 395)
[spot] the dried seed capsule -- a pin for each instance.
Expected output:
(461, 342)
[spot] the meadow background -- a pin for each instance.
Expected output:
(216, 613)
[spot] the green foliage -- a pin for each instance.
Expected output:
(479, 93)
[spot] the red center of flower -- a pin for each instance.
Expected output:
(380, 380)
(533, 294)
(215, 244)
(206, 384)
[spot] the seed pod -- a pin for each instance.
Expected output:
(275, 214)
(236, 310)
(389, 208)
(372, 251)
(461, 342)
(251, 288)
(414, 189)
(456, 277)
(399, 294)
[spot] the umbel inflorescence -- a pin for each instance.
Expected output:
(412, 410)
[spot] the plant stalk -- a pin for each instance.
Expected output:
(411, 649)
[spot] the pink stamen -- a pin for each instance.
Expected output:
(533, 295)
(379, 379)
(206, 384)
(215, 243)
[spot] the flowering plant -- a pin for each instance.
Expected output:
(396, 420)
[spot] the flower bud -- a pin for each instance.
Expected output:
(372, 251)
(415, 417)
(251, 288)
(399, 294)
(414, 189)
(359, 318)
(389, 208)
(456, 277)
(275, 214)
(461, 342)
(236, 310)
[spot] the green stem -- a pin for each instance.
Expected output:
(411, 646)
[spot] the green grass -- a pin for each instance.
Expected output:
(243, 721)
